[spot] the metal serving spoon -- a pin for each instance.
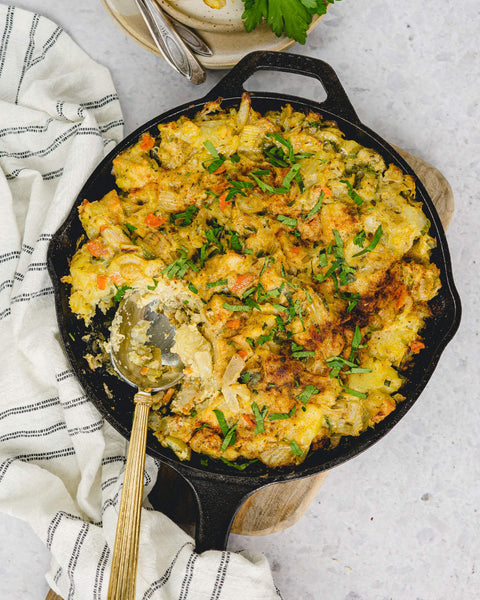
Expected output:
(161, 334)
(170, 44)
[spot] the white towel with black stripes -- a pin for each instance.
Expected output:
(61, 465)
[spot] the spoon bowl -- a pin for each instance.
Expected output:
(129, 338)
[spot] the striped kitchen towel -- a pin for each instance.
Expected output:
(61, 465)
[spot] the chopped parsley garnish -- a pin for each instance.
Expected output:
(180, 266)
(359, 239)
(280, 416)
(357, 338)
(121, 291)
(192, 288)
(237, 187)
(300, 352)
(307, 393)
(317, 206)
(259, 417)
(376, 238)
(295, 448)
(341, 272)
(239, 466)
(292, 17)
(236, 307)
(219, 282)
(245, 377)
(154, 286)
(354, 392)
(352, 193)
(131, 228)
(263, 339)
(185, 217)
(228, 432)
(289, 221)
(218, 159)
(235, 242)
(352, 298)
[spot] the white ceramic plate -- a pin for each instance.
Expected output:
(222, 29)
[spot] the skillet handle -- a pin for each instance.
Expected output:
(217, 505)
(337, 101)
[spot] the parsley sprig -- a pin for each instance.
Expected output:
(292, 17)
(229, 433)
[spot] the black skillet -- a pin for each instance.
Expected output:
(219, 489)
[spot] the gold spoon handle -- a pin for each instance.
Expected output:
(125, 551)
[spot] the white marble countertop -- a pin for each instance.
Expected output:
(401, 521)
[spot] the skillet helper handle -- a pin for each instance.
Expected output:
(123, 575)
(217, 506)
(336, 102)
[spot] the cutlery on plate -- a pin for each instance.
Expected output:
(169, 42)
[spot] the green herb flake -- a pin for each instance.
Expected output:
(376, 238)
(221, 420)
(317, 207)
(236, 307)
(359, 239)
(259, 417)
(121, 291)
(307, 393)
(192, 288)
(239, 466)
(354, 392)
(289, 221)
(352, 193)
(295, 448)
(185, 217)
(218, 283)
(281, 416)
(154, 286)
(131, 228)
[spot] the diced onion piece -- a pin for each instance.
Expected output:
(178, 446)
(230, 376)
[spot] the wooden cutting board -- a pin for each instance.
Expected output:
(280, 505)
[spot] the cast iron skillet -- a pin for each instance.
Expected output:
(219, 489)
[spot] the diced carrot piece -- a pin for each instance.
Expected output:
(220, 169)
(147, 142)
(153, 221)
(416, 346)
(233, 324)
(144, 370)
(242, 353)
(188, 371)
(82, 206)
(249, 420)
(167, 395)
(222, 202)
(295, 249)
(327, 192)
(242, 282)
(102, 282)
(103, 227)
(97, 248)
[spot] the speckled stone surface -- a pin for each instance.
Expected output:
(401, 521)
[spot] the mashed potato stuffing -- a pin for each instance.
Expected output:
(304, 267)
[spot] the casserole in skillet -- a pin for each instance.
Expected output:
(215, 479)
